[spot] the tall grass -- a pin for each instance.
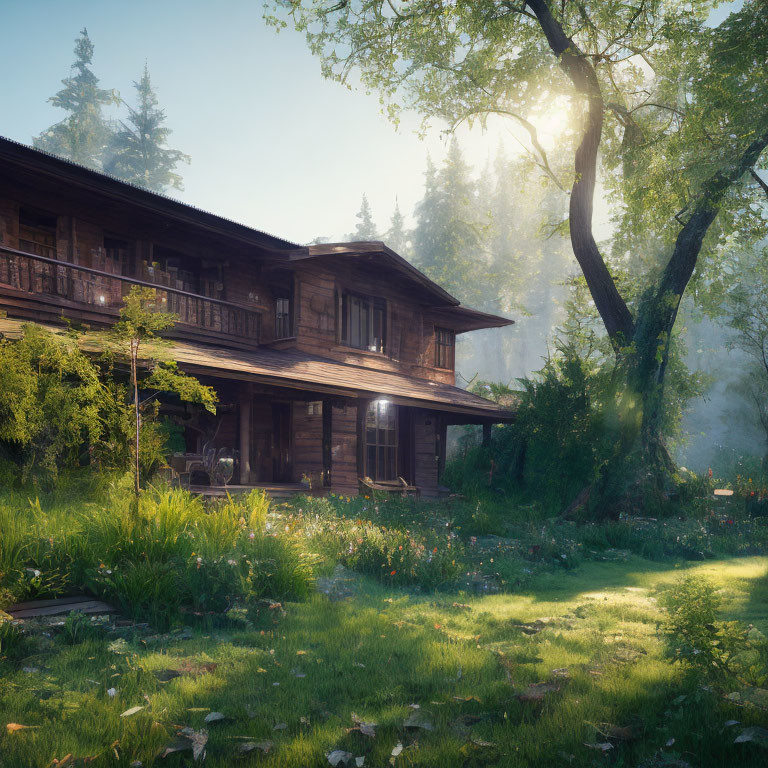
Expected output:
(172, 559)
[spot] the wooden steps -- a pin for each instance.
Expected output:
(61, 605)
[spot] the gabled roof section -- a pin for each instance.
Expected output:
(378, 253)
(47, 165)
(371, 250)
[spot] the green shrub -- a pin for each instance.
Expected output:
(277, 568)
(14, 644)
(693, 635)
(143, 590)
(77, 628)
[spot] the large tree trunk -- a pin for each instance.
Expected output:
(639, 469)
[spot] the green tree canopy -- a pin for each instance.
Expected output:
(84, 134)
(139, 151)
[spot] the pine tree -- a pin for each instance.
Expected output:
(84, 134)
(449, 233)
(397, 235)
(365, 228)
(139, 151)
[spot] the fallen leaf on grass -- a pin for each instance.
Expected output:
(754, 734)
(536, 692)
(367, 729)
(133, 710)
(619, 732)
(339, 757)
(395, 752)
(14, 727)
(189, 739)
(603, 746)
(166, 675)
(467, 698)
(250, 746)
(215, 717)
(419, 719)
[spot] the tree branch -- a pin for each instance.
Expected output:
(759, 179)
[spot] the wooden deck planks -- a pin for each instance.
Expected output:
(62, 605)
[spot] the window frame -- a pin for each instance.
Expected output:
(367, 332)
(445, 348)
(385, 444)
(284, 318)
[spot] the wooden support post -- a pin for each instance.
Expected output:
(487, 434)
(246, 397)
(327, 440)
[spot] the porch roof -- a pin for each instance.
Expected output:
(300, 370)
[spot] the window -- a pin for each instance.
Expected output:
(363, 322)
(445, 346)
(37, 232)
(381, 441)
(283, 323)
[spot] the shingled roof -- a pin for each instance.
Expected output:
(300, 370)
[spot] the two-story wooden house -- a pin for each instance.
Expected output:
(333, 363)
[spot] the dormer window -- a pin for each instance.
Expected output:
(445, 348)
(363, 322)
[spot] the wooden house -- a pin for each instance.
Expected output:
(334, 363)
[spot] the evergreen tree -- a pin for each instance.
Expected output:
(450, 226)
(397, 235)
(84, 134)
(365, 228)
(139, 151)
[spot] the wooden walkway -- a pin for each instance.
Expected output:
(59, 606)
(275, 490)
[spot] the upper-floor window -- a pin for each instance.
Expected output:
(363, 322)
(445, 348)
(283, 324)
(37, 232)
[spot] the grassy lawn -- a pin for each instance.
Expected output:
(292, 684)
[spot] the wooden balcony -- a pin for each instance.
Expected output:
(39, 287)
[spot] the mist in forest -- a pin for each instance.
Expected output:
(495, 239)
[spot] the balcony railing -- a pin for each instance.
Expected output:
(49, 286)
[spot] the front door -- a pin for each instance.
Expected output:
(281, 443)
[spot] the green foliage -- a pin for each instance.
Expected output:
(77, 628)
(172, 556)
(14, 644)
(83, 135)
(138, 148)
(448, 236)
(51, 400)
(557, 441)
(693, 634)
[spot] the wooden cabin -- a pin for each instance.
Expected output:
(334, 363)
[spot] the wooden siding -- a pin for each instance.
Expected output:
(410, 328)
(426, 427)
(308, 443)
(344, 474)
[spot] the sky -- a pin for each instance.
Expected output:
(273, 144)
